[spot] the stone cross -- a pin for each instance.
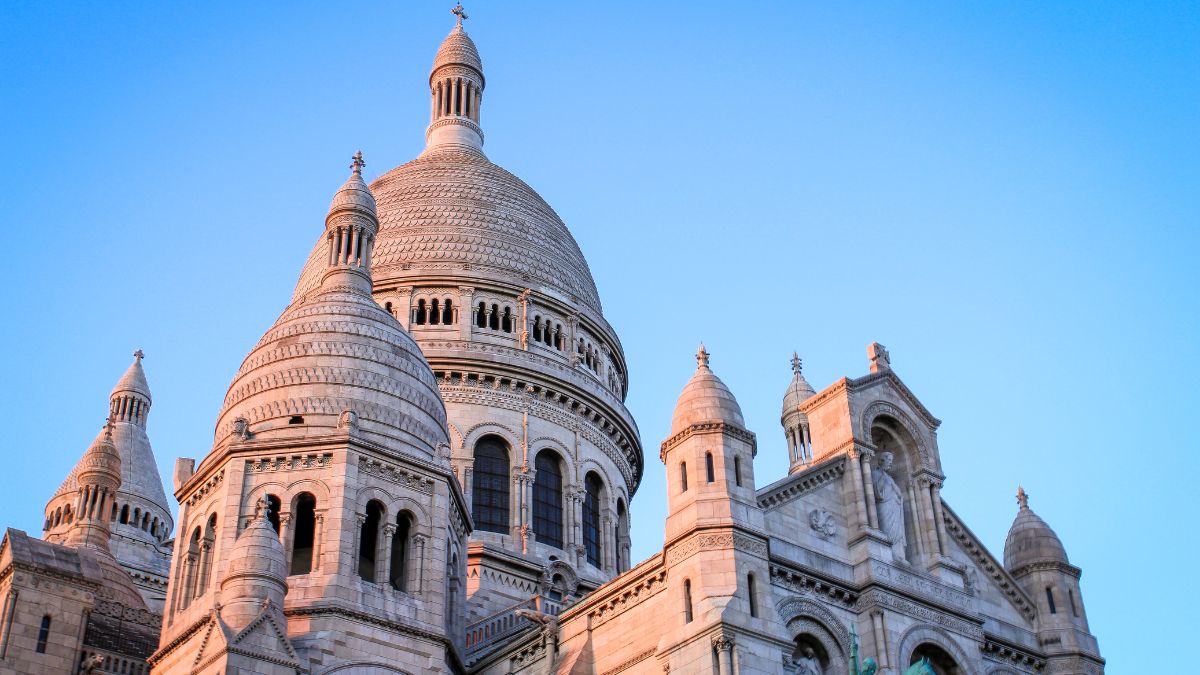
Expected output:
(459, 12)
(702, 356)
(262, 509)
(139, 355)
(108, 427)
(358, 163)
(880, 358)
(1022, 498)
(797, 363)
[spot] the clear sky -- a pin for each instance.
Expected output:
(1004, 194)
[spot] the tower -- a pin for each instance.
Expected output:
(139, 518)
(1036, 558)
(491, 284)
(332, 441)
(99, 477)
(794, 421)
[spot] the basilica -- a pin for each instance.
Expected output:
(426, 465)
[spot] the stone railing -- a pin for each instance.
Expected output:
(97, 661)
(492, 631)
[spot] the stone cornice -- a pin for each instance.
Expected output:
(1003, 651)
(621, 593)
(803, 580)
(909, 397)
(801, 483)
(814, 402)
(988, 564)
(1050, 565)
(374, 620)
(709, 428)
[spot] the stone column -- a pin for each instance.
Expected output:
(869, 486)
(384, 557)
(724, 647)
(466, 299)
(939, 517)
(929, 526)
(523, 313)
(881, 646)
(468, 486)
(416, 574)
(572, 348)
(285, 537)
(360, 519)
(205, 557)
(318, 536)
(856, 489)
(806, 439)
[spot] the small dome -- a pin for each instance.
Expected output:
(101, 460)
(799, 390)
(117, 586)
(134, 380)
(257, 552)
(705, 398)
(458, 49)
(354, 195)
(1030, 539)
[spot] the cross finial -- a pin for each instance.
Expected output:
(459, 12)
(702, 356)
(1022, 498)
(108, 427)
(139, 355)
(358, 163)
(797, 363)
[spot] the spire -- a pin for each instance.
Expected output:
(350, 229)
(456, 86)
(795, 423)
(702, 357)
(797, 364)
(130, 399)
(1022, 498)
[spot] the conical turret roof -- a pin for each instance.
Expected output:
(705, 398)
(799, 390)
(134, 379)
(1030, 539)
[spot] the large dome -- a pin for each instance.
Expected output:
(453, 210)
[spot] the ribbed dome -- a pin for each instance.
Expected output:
(452, 210)
(117, 584)
(1030, 539)
(333, 351)
(335, 358)
(354, 193)
(458, 49)
(705, 398)
(799, 390)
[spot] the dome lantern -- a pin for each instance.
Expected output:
(456, 90)
(795, 422)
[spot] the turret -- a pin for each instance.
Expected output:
(709, 457)
(1036, 558)
(456, 89)
(795, 422)
(350, 229)
(257, 572)
(99, 478)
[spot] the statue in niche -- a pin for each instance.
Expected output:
(807, 663)
(890, 504)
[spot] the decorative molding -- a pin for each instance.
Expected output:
(1005, 652)
(876, 597)
(630, 662)
(804, 582)
(987, 564)
(206, 487)
(720, 540)
(802, 483)
(395, 474)
(289, 463)
(709, 428)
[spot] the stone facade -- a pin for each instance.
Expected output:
(426, 465)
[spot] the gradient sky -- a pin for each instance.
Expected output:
(1004, 194)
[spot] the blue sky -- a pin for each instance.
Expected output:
(1004, 194)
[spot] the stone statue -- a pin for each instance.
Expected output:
(922, 667)
(868, 665)
(807, 663)
(890, 502)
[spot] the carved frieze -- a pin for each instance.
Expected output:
(289, 463)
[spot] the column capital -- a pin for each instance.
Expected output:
(389, 530)
(722, 642)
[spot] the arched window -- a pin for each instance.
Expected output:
(494, 319)
(593, 489)
(708, 466)
(435, 311)
(547, 499)
(43, 635)
(481, 316)
(1074, 605)
(422, 313)
(398, 574)
(191, 563)
(387, 307)
(489, 492)
(124, 514)
(620, 530)
(940, 659)
(737, 470)
(304, 513)
(683, 476)
(206, 553)
(447, 312)
(273, 506)
(67, 514)
(1050, 601)
(368, 540)
(687, 600)
(537, 329)
(506, 322)
(752, 595)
